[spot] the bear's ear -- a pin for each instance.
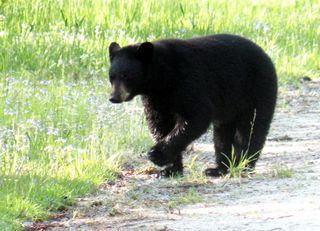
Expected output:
(145, 51)
(113, 48)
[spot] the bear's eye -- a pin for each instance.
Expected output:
(111, 78)
(126, 77)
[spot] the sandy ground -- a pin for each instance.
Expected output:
(283, 194)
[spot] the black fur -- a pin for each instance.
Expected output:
(186, 85)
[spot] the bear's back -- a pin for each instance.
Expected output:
(221, 66)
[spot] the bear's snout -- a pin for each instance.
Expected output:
(114, 99)
(119, 92)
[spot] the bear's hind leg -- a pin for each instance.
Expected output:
(223, 140)
(251, 133)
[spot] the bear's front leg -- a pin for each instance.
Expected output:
(164, 158)
(161, 155)
(173, 170)
(167, 152)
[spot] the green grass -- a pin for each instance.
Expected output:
(59, 139)
(189, 197)
(238, 168)
(280, 171)
(59, 136)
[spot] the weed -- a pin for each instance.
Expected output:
(191, 197)
(240, 166)
(280, 171)
(196, 174)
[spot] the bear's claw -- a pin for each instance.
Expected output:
(171, 171)
(215, 172)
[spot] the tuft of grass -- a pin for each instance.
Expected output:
(281, 171)
(196, 174)
(190, 197)
(238, 168)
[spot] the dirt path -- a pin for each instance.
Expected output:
(283, 195)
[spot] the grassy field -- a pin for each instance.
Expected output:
(59, 135)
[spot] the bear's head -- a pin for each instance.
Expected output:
(129, 69)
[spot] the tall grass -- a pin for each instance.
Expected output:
(59, 136)
(70, 37)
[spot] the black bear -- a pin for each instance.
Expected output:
(186, 85)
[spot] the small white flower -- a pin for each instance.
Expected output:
(68, 148)
(60, 140)
(48, 148)
(52, 131)
(61, 62)
(93, 72)
(84, 56)
(3, 33)
(45, 82)
(81, 37)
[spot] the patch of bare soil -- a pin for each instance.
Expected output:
(283, 195)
